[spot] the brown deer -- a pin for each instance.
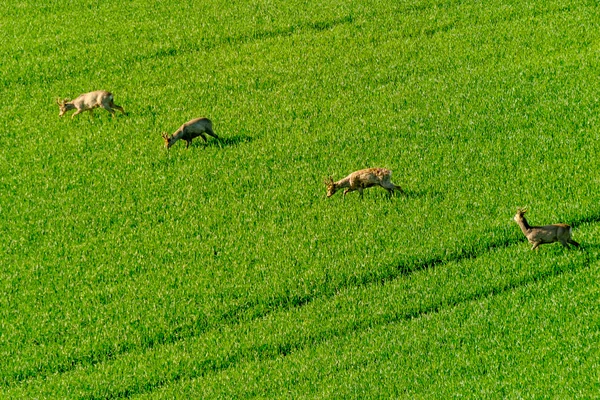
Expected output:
(190, 130)
(89, 101)
(362, 179)
(544, 234)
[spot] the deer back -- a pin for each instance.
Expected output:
(93, 99)
(197, 125)
(369, 177)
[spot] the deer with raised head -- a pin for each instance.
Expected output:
(89, 101)
(362, 179)
(190, 130)
(544, 234)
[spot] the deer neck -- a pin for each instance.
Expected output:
(342, 183)
(178, 134)
(524, 225)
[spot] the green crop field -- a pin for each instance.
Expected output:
(223, 271)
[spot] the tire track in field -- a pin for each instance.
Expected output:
(593, 218)
(268, 351)
(293, 301)
(240, 313)
(465, 253)
(206, 44)
(209, 44)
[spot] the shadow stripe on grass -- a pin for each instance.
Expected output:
(212, 43)
(276, 349)
(248, 311)
(253, 310)
(207, 44)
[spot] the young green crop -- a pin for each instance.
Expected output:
(118, 254)
(437, 311)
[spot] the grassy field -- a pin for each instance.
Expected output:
(222, 271)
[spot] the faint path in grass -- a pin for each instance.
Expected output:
(212, 43)
(205, 44)
(259, 309)
(592, 218)
(229, 141)
(280, 345)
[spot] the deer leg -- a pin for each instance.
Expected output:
(535, 245)
(351, 189)
(574, 243)
(211, 133)
(107, 108)
(203, 136)
(79, 111)
(113, 105)
(390, 187)
(187, 143)
(564, 243)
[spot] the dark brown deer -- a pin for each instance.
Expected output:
(190, 130)
(89, 101)
(362, 179)
(544, 234)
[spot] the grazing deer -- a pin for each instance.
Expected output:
(544, 234)
(190, 130)
(365, 178)
(89, 101)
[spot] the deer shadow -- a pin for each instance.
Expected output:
(587, 247)
(230, 141)
(407, 194)
(415, 194)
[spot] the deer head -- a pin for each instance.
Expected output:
(331, 188)
(167, 139)
(519, 216)
(62, 104)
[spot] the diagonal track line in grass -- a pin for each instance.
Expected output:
(382, 277)
(254, 310)
(593, 218)
(209, 44)
(267, 351)
(240, 313)
(205, 45)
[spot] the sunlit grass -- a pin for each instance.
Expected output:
(119, 255)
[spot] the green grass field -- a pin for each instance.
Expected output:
(222, 271)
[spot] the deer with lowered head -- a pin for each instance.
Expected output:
(190, 130)
(362, 179)
(89, 101)
(544, 234)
